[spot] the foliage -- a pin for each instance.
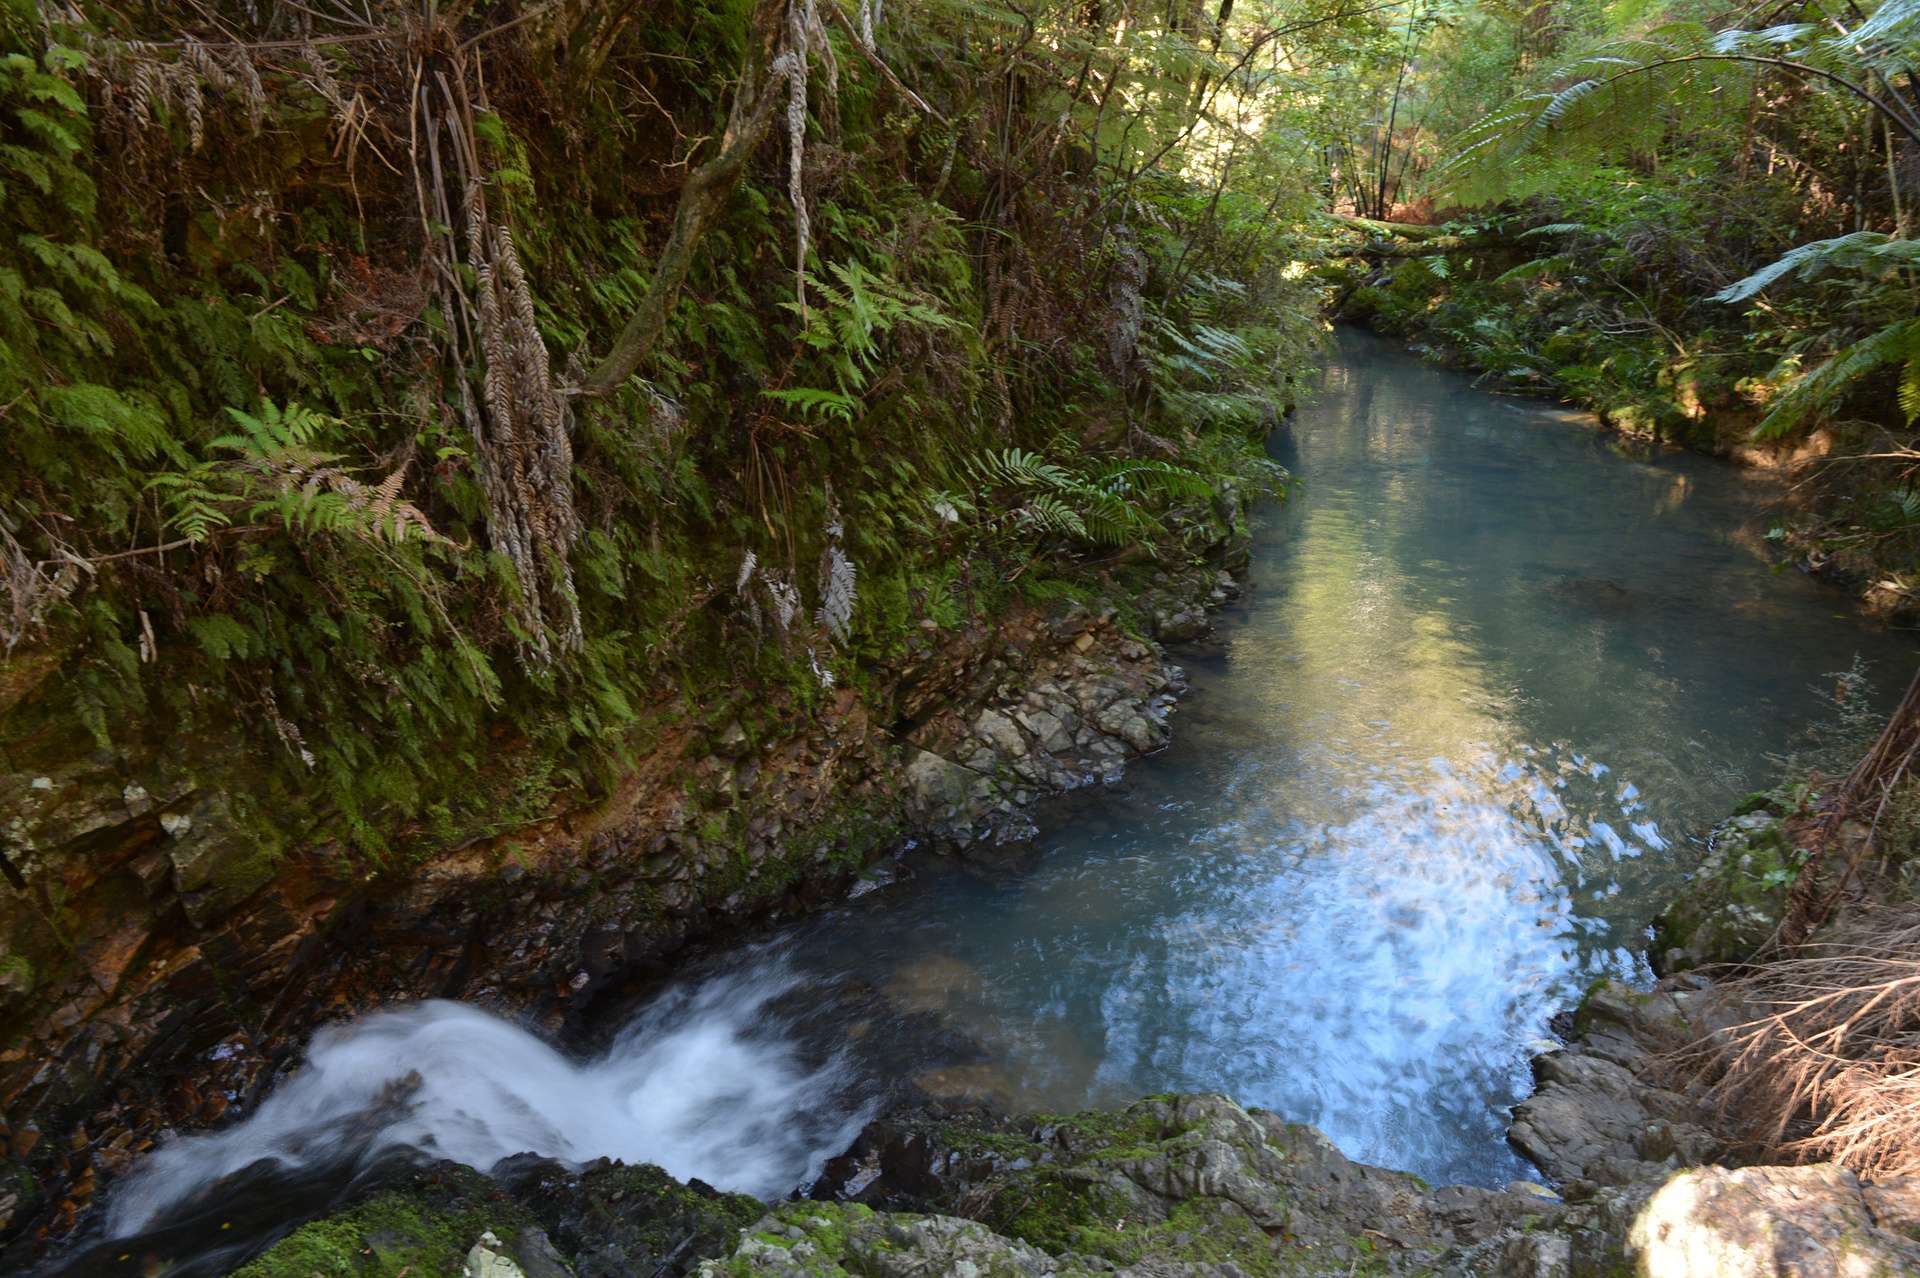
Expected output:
(1699, 227)
(288, 358)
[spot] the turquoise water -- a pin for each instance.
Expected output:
(1493, 672)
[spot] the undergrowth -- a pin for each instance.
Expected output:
(295, 485)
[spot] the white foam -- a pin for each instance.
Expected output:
(697, 1085)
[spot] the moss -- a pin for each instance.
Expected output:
(16, 974)
(824, 1227)
(393, 1235)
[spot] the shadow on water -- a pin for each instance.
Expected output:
(1435, 779)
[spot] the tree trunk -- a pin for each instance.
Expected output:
(702, 199)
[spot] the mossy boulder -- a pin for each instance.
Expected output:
(613, 1220)
(1174, 1184)
(421, 1230)
(1736, 897)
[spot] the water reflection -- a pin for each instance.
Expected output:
(1491, 674)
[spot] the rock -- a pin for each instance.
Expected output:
(1595, 1117)
(1535, 1256)
(1129, 725)
(615, 1221)
(807, 1241)
(1735, 899)
(486, 1259)
(187, 903)
(1786, 1222)
(935, 784)
(1047, 729)
(18, 1192)
(216, 858)
(419, 1226)
(1181, 626)
(538, 1256)
(1177, 1185)
(999, 732)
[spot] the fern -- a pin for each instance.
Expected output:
(817, 401)
(1110, 505)
(279, 476)
(1538, 268)
(1824, 387)
(1863, 251)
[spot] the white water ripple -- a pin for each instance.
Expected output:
(705, 1084)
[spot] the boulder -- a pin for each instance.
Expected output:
(1785, 1222)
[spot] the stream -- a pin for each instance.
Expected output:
(1437, 774)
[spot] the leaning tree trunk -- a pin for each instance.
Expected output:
(702, 199)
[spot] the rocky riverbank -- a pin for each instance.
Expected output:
(1191, 1185)
(158, 968)
(1643, 1180)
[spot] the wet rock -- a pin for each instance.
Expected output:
(616, 1221)
(1793, 1222)
(426, 1225)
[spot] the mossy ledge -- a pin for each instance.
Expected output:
(1172, 1185)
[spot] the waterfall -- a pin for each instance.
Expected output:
(708, 1082)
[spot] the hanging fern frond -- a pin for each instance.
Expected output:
(1538, 268)
(1860, 251)
(1823, 388)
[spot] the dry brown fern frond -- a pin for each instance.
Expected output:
(1829, 1069)
(1863, 795)
(519, 421)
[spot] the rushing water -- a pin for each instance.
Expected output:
(1436, 778)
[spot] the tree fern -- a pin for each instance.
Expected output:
(1860, 251)
(1822, 389)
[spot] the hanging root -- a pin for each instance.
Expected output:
(30, 588)
(519, 422)
(805, 36)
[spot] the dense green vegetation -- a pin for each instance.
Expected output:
(1696, 219)
(427, 387)
(310, 423)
